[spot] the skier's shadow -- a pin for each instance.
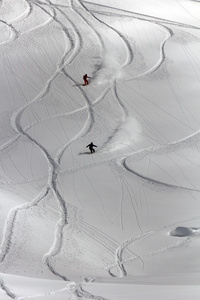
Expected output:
(83, 153)
(78, 84)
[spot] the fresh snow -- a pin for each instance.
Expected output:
(124, 222)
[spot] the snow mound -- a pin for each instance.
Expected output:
(182, 231)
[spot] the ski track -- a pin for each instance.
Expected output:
(52, 176)
(7, 290)
(14, 32)
(120, 261)
(81, 293)
(143, 17)
(120, 250)
(75, 289)
(53, 164)
(164, 148)
(11, 220)
(76, 42)
(113, 85)
(169, 34)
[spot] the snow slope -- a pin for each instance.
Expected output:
(122, 223)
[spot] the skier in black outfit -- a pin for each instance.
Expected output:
(91, 147)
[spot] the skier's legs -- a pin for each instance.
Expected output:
(92, 150)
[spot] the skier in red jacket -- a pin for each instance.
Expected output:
(85, 77)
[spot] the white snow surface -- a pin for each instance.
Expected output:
(124, 222)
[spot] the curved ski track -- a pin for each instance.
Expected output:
(120, 261)
(88, 16)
